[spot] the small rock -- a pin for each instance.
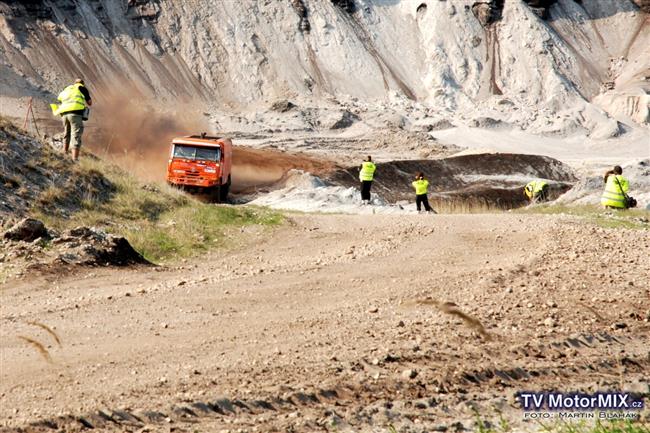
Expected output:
(373, 310)
(549, 322)
(409, 374)
(282, 106)
(400, 324)
(164, 325)
(619, 325)
(458, 426)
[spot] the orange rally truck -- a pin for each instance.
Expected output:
(201, 164)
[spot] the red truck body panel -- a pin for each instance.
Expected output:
(197, 172)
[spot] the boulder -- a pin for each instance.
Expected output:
(488, 123)
(345, 121)
(282, 106)
(440, 125)
(487, 12)
(28, 230)
(90, 246)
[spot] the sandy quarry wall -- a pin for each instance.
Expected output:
(239, 55)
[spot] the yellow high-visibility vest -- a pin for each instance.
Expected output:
(71, 100)
(534, 188)
(613, 195)
(421, 186)
(367, 170)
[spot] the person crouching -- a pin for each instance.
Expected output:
(537, 191)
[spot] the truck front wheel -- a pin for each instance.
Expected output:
(225, 188)
(215, 194)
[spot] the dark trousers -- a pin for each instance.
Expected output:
(365, 189)
(422, 199)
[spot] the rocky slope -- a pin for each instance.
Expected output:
(34, 174)
(535, 64)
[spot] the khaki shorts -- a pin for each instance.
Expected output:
(73, 126)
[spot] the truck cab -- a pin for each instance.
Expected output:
(201, 164)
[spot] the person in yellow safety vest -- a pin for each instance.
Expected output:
(421, 186)
(536, 191)
(75, 100)
(366, 176)
(616, 187)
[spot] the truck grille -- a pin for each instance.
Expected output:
(192, 177)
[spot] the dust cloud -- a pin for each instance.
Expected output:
(259, 168)
(135, 134)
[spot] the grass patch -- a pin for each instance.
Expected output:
(608, 218)
(560, 425)
(609, 426)
(160, 222)
(192, 229)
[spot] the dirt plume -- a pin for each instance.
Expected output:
(452, 309)
(136, 134)
(260, 168)
(47, 329)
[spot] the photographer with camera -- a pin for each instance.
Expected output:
(616, 187)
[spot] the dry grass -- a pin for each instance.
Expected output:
(463, 206)
(607, 426)
(51, 195)
(608, 218)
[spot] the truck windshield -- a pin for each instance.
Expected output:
(197, 153)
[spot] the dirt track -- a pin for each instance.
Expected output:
(316, 328)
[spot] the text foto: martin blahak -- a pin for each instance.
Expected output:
(576, 405)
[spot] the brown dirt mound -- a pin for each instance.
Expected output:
(492, 179)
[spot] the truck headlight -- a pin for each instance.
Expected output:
(210, 170)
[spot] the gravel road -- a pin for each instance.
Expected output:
(334, 323)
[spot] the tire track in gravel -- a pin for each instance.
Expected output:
(346, 394)
(316, 324)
